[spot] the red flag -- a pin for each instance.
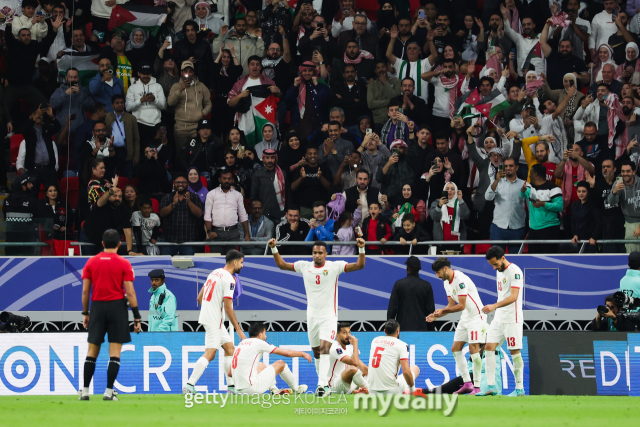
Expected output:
(268, 108)
(484, 109)
(473, 98)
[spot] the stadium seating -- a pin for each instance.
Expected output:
(69, 191)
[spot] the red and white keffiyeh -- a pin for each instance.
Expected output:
(451, 86)
(560, 19)
(614, 114)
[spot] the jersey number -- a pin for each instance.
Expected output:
(333, 335)
(511, 342)
(500, 286)
(317, 280)
(375, 361)
(208, 292)
(474, 335)
(234, 361)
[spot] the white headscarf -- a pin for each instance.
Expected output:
(454, 204)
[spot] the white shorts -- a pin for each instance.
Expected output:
(511, 332)
(339, 386)
(402, 386)
(472, 332)
(215, 337)
(321, 329)
(262, 383)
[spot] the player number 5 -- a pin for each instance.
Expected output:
(375, 361)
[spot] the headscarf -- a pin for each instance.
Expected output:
(633, 63)
(386, 18)
(302, 88)
(274, 144)
(363, 55)
(597, 64)
(288, 156)
(278, 183)
(534, 86)
(133, 45)
(452, 203)
(195, 186)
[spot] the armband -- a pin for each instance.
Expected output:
(136, 313)
(360, 250)
(274, 250)
(85, 313)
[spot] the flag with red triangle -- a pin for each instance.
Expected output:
(472, 99)
(263, 111)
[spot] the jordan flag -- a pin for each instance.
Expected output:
(492, 104)
(85, 62)
(130, 16)
(472, 99)
(263, 111)
(535, 52)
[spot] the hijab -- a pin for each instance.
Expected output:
(631, 62)
(288, 156)
(195, 186)
(386, 18)
(597, 64)
(133, 45)
(452, 203)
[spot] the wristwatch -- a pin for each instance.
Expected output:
(321, 62)
(334, 152)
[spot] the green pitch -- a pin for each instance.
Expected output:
(142, 410)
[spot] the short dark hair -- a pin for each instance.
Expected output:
(256, 200)
(409, 217)
(293, 207)
(391, 326)
(334, 123)
(145, 201)
(494, 252)
(628, 163)
(254, 58)
(443, 13)
(539, 170)
(591, 125)
(233, 255)
(117, 96)
(363, 171)
(311, 147)
(440, 263)
(584, 184)
(395, 103)
(30, 3)
(441, 134)
(343, 325)
(73, 69)
(256, 329)
(408, 78)
(97, 105)
(189, 22)
(111, 238)
(603, 84)
(179, 175)
(487, 79)
(375, 202)
(320, 243)
(317, 204)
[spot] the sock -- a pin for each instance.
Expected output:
(461, 364)
(360, 380)
(112, 371)
(323, 369)
(198, 370)
(288, 377)
(227, 365)
(108, 392)
(490, 366)
(89, 369)
(477, 369)
(518, 370)
(317, 360)
(273, 386)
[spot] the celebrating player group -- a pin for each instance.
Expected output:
(335, 349)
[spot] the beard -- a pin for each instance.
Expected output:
(102, 138)
(274, 56)
(626, 110)
(182, 190)
(115, 203)
(225, 185)
(565, 54)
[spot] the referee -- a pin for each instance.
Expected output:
(107, 276)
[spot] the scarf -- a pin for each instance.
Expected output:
(363, 54)
(386, 130)
(494, 63)
(302, 87)
(267, 63)
(404, 209)
(418, 80)
(131, 44)
(451, 87)
(336, 207)
(514, 21)
(633, 63)
(195, 186)
(534, 86)
(455, 221)
(560, 19)
(571, 107)
(567, 183)
(614, 114)
(596, 71)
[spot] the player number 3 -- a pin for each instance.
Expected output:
(317, 280)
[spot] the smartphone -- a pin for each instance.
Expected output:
(401, 110)
(110, 70)
(185, 77)
(72, 116)
(571, 83)
(501, 168)
(445, 194)
(170, 43)
(320, 25)
(434, 163)
(318, 49)
(615, 12)
(532, 200)
(152, 147)
(74, 84)
(241, 149)
(421, 14)
(618, 180)
(345, 10)
(513, 50)
(39, 13)
(369, 131)
(163, 129)
(635, 137)
(395, 152)
(44, 106)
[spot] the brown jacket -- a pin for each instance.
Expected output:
(130, 131)
(190, 105)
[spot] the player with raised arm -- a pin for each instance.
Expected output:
(507, 323)
(463, 296)
(347, 370)
(253, 377)
(216, 298)
(321, 285)
(388, 354)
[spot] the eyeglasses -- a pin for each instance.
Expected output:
(181, 182)
(275, 49)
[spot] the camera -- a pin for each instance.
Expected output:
(10, 322)
(625, 302)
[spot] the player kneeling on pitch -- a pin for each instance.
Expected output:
(388, 354)
(463, 296)
(347, 370)
(253, 377)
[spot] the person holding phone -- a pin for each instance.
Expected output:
(629, 184)
(562, 62)
(71, 98)
(30, 20)
(448, 214)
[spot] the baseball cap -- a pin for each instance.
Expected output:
(204, 124)
(413, 262)
(186, 64)
(145, 68)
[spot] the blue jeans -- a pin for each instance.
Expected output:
(174, 250)
(497, 233)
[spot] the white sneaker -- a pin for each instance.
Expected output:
(302, 388)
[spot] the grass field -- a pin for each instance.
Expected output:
(142, 410)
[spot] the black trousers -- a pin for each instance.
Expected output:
(549, 233)
(147, 135)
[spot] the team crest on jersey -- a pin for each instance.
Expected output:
(504, 280)
(461, 285)
(517, 277)
(325, 272)
(339, 351)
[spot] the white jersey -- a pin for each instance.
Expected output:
(244, 365)
(321, 285)
(384, 362)
(219, 285)
(336, 367)
(462, 285)
(510, 278)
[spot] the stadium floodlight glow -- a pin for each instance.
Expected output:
(182, 263)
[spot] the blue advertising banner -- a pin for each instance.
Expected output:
(161, 362)
(634, 364)
(612, 367)
(551, 282)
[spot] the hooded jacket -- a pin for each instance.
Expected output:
(192, 104)
(147, 113)
(628, 199)
(245, 47)
(162, 314)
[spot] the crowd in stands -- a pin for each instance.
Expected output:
(243, 120)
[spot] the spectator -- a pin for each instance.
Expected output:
(409, 204)
(412, 66)
(116, 53)
(446, 93)
(402, 40)
(334, 149)
(578, 31)
(361, 60)
(293, 229)
(84, 132)
(38, 154)
(79, 42)
(270, 185)
(449, 225)
(376, 227)
(545, 203)
(123, 127)
(260, 227)
(396, 173)
(97, 183)
(360, 196)
(145, 100)
(345, 225)
(562, 63)
(608, 79)
(71, 99)
(442, 33)
(551, 123)
(613, 219)
(414, 107)
(100, 14)
(227, 70)
(223, 211)
(199, 152)
(321, 226)
(30, 21)
(542, 152)
(559, 95)
(307, 116)
(315, 37)
(96, 148)
(412, 234)
(191, 100)
(524, 43)
(494, 38)
(363, 38)
(452, 160)
(46, 82)
(141, 48)
(311, 183)
(208, 24)
(105, 85)
(411, 300)
(276, 18)
(131, 198)
(20, 210)
(195, 184)
(397, 125)
(586, 220)
(181, 218)
(197, 52)
(571, 172)
(373, 153)
(621, 37)
(380, 92)
(244, 45)
(595, 145)
(623, 193)
(107, 213)
(165, 69)
(350, 94)
(347, 179)
(603, 25)
(152, 175)
(57, 214)
(269, 141)
(146, 228)
(291, 155)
